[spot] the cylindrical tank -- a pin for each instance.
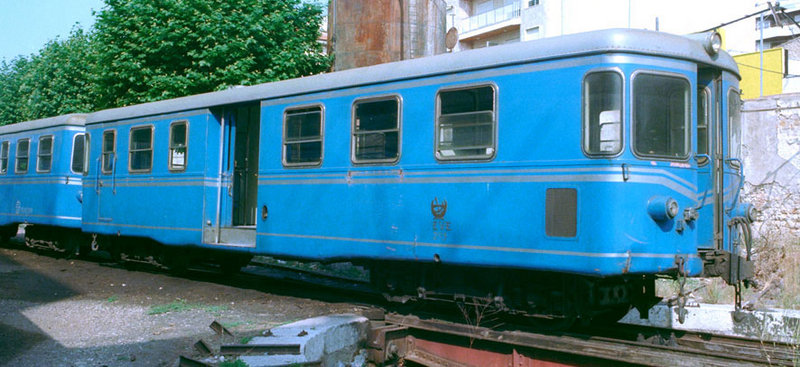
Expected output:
(368, 32)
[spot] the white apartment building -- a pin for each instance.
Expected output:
(482, 23)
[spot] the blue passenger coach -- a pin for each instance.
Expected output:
(558, 176)
(41, 170)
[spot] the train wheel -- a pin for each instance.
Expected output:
(6, 233)
(176, 260)
(232, 265)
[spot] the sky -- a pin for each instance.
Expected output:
(26, 25)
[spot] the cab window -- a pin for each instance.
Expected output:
(661, 116)
(734, 125)
(602, 113)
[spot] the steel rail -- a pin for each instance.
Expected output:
(601, 348)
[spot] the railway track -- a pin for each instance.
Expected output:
(457, 341)
(409, 340)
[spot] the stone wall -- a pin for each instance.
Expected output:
(771, 139)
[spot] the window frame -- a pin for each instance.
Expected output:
(732, 159)
(4, 146)
(17, 171)
(708, 117)
(387, 97)
(495, 122)
(689, 143)
(151, 127)
(315, 164)
(84, 167)
(39, 154)
(622, 112)
(170, 166)
(112, 152)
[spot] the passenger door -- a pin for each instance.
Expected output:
(708, 158)
(106, 176)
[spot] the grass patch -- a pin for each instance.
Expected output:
(245, 340)
(236, 363)
(181, 305)
(112, 299)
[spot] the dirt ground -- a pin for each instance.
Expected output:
(58, 312)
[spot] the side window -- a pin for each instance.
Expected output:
(78, 154)
(602, 113)
(466, 123)
(661, 116)
(178, 145)
(44, 158)
(302, 136)
(140, 155)
(734, 125)
(376, 130)
(109, 151)
(3, 158)
(21, 161)
(703, 117)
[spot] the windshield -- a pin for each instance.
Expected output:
(661, 116)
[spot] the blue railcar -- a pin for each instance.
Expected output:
(41, 170)
(556, 176)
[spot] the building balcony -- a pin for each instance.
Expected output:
(490, 18)
(495, 21)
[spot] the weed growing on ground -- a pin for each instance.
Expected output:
(112, 299)
(236, 363)
(245, 340)
(180, 305)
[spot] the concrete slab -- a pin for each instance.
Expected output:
(327, 341)
(768, 325)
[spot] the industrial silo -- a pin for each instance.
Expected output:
(368, 32)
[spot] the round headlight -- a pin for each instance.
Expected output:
(713, 43)
(672, 208)
(662, 208)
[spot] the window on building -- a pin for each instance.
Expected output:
(533, 2)
(602, 113)
(21, 161)
(466, 123)
(376, 130)
(703, 116)
(178, 145)
(79, 154)
(532, 33)
(109, 151)
(302, 136)
(44, 158)
(141, 149)
(3, 158)
(661, 116)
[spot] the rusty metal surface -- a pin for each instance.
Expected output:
(219, 329)
(188, 362)
(421, 343)
(363, 33)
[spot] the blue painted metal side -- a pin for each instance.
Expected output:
(165, 205)
(44, 198)
(495, 214)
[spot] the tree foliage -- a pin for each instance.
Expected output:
(155, 49)
(52, 82)
(148, 50)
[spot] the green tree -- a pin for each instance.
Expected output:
(149, 50)
(54, 81)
